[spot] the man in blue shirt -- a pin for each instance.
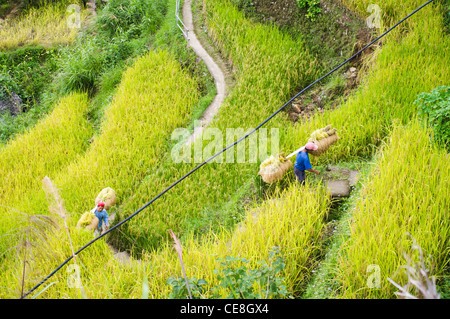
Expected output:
(102, 215)
(303, 164)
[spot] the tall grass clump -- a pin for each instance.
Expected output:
(407, 193)
(46, 25)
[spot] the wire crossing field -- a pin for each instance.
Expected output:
(154, 97)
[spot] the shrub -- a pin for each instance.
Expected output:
(313, 7)
(411, 180)
(132, 17)
(80, 67)
(27, 71)
(434, 107)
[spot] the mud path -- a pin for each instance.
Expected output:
(216, 72)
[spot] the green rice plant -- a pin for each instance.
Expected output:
(406, 193)
(45, 149)
(45, 26)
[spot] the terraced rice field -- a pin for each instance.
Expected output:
(224, 209)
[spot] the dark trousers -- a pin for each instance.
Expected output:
(300, 175)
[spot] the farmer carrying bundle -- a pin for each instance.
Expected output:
(98, 216)
(273, 169)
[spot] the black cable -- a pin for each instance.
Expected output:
(215, 155)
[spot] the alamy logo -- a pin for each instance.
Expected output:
(74, 17)
(260, 143)
(374, 20)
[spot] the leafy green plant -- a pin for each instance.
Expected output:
(180, 289)
(313, 7)
(27, 71)
(434, 108)
(238, 280)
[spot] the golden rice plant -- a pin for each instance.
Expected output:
(407, 193)
(154, 98)
(47, 25)
(51, 144)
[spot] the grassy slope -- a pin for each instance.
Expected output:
(406, 193)
(388, 102)
(131, 141)
(424, 31)
(428, 221)
(46, 149)
(111, 159)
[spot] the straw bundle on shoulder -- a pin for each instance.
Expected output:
(108, 196)
(323, 138)
(273, 169)
(88, 221)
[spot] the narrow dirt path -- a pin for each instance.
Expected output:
(216, 72)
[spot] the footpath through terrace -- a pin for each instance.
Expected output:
(216, 72)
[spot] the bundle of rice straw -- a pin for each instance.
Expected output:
(88, 221)
(108, 196)
(323, 138)
(273, 168)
